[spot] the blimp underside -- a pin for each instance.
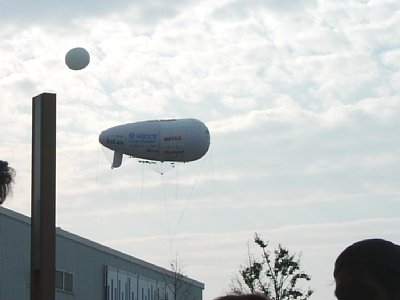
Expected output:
(181, 140)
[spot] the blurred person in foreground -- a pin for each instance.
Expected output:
(243, 297)
(368, 270)
(6, 179)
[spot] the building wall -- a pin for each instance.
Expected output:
(14, 257)
(91, 265)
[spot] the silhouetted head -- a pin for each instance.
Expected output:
(368, 270)
(6, 179)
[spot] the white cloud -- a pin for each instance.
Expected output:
(391, 59)
(63, 14)
(301, 99)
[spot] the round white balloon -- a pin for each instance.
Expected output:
(77, 58)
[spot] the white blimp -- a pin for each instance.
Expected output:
(176, 140)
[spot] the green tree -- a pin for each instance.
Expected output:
(276, 275)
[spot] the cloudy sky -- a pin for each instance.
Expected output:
(301, 99)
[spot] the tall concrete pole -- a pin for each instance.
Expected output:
(43, 206)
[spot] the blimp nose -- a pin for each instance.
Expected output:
(102, 138)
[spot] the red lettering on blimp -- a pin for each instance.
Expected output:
(172, 138)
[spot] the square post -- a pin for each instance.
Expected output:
(43, 197)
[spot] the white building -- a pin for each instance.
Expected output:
(84, 269)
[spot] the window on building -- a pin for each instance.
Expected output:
(64, 281)
(68, 282)
(59, 280)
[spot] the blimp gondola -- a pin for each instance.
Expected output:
(172, 140)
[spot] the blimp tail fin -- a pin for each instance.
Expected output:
(117, 160)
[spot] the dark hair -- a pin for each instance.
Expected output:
(243, 297)
(368, 269)
(6, 179)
